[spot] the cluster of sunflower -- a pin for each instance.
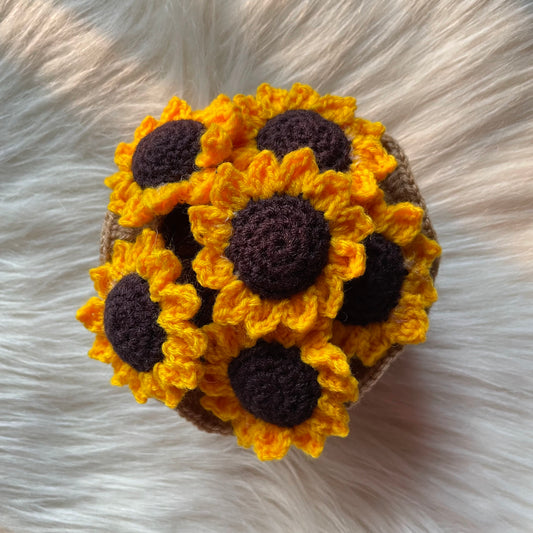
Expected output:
(264, 260)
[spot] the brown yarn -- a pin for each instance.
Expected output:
(400, 186)
(191, 409)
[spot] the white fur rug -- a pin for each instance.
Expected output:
(444, 442)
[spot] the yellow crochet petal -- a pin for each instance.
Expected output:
(162, 267)
(410, 324)
(180, 302)
(135, 212)
(91, 315)
(330, 288)
(200, 185)
(176, 109)
(269, 442)
(209, 225)
(226, 193)
(296, 168)
(161, 200)
(233, 303)
(264, 178)
(310, 443)
(400, 223)
(346, 259)
(301, 311)
(183, 375)
(148, 125)
(271, 100)
(123, 154)
(327, 192)
(302, 97)
(212, 269)
(243, 156)
(102, 277)
(102, 350)
(351, 222)
(365, 188)
(216, 147)
(225, 408)
(337, 109)
(262, 319)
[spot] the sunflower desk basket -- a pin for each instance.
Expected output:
(263, 261)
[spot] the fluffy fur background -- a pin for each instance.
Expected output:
(444, 442)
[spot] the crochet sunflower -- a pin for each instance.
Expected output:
(279, 390)
(289, 257)
(279, 240)
(142, 321)
(388, 305)
(283, 121)
(172, 160)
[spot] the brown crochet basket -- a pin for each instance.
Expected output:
(400, 186)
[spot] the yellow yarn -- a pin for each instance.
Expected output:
(137, 206)
(185, 344)
(408, 321)
(231, 173)
(269, 441)
(365, 137)
(265, 177)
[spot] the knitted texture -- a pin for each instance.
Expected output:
(163, 146)
(130, 323)
(407, 322)
(191, 409)
(135, 267)
(204, 315)
(296, 176)
(304, 244)
(365, 149)
(176, 231)
(372, 296)
(274, 384)
(228, 358)
(279, 246)
(298, 128)
(167, 154)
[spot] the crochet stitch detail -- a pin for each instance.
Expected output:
(207, 296)
(296, 176)
(274, 384)
(176, 230)
(167, 154)
(365, 149)
(298, 128)
(179, 369)
(228, 304)
(130, 323)
(279, 245)
(272, 441)
(372, 296)
(138, 205)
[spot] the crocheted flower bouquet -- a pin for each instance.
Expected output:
(263, 261)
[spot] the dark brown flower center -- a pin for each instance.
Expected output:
(176, 231)
(372, 297)
(279, 245)
(299, 128)
(274, 384)
(167, 154)
(130, 323)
